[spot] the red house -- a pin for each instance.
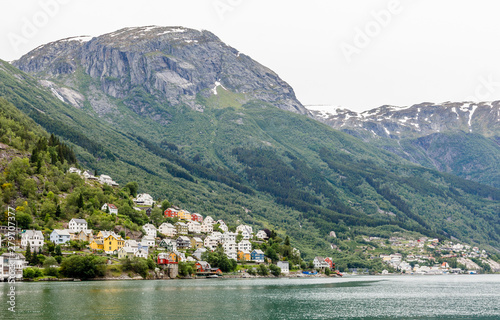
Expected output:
(164, 258)
(330, 263)
(197, 217)
(171, 213)
(202, 266)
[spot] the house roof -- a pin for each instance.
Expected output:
(149, 226)
(166, 225)
(111, 206)
(32, 233)
(79, 221)
(183, 238)
(258, 251)
(197, 239)
(61, 232)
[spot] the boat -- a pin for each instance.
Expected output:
(212, 276)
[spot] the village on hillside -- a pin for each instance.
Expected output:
(190, 244)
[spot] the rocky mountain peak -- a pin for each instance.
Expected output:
(172, 65)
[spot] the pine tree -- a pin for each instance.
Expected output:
(28, 252)
(80, 201)
(58, 211)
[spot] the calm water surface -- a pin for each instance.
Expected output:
(361, 297)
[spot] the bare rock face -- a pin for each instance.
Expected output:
(169, 65)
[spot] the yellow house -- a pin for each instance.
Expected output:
(184, 215)
(244, 256)
(97, 245)
(113, 243)
(172, 257)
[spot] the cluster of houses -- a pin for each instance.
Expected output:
(419, 262)
(87, 175)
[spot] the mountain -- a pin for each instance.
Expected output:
(230, 140)
(459, 138)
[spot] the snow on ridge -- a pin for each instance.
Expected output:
(455, 111)
(57, 94)
(465, 107)
(78, 38)
(474, 107)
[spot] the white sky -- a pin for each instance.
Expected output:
(426, 50)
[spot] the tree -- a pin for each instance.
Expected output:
(262, 270)
(50, 266)
(271, 254)
(132, 187)
(58, 211)
(58, 250)
(327, 271)
(83, 267)
(28, 252)
(165, 205)
(79, 202)
(275, 270)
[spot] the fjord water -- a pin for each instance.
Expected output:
(354, 297)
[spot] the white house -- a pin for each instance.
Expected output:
(194, 227)
(231, 255)
(59, 236)
(132, 245)
(104, 179)
(8, 259)
(77, 225)
(210, 242)
(75, 170)
(245, 245)
(112, 208)
(246, 235)
(208, 220)
(206, 228)
(144, 199)
(150, 230)
(284, 266)
(261, 235)
(88, 175)
(126, 252)
(229, 246)
(320, 263)
(228, 237)
(142, 253)
(148, 241)
(224, 228)
(34, 238)
(243, 227)
(167, 229)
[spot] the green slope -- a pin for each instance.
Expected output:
(260, 165)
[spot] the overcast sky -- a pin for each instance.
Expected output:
(354, 54)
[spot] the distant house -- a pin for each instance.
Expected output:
(181, 228)
(229, 237)
(232, 255)
(203, 266)
(196, 243)
(168, 244)
(183, 242)
(77, 225)
(243, 255)
(194, 227)
(75, 170)
(132, 245)
(330, 263)
(245, 245)
(144, 199)
(184, 215)
(142, 253)
(208, 220)
(261, 234)
(197, 217)
(85, 235)
(167, 229)
(206, 228)
(150, 230)
(88, 175)
(126, 252)
(105, 179)
(34, 238)
(284, 266)
(229, 246)
(148, 241)
(59, 236)
(320, 263)
(108, 241)
(149, 211)
(244, 227)
(257, 255)
(112, 208)
(166, 258)
(171, 213)
(210, 243)
(12, 265)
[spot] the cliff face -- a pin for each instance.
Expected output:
(173, 65)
